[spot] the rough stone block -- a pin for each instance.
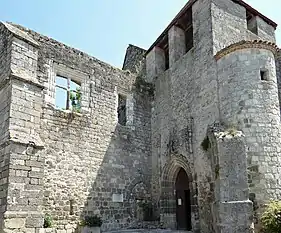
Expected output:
(236, 217)
(29, 230)
(34, 222)
(14, 223)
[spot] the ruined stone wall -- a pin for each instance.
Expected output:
(252, 105)
(90, 159)
(232, 209)
(134, 59)
(230, 25)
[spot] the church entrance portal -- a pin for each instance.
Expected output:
(183, 205)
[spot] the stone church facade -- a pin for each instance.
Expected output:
(186, 136)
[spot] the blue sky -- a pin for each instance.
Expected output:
(104, 28)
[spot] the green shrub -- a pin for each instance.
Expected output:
(92, 221)
(205, 144)
(48, 221)
(271, 218)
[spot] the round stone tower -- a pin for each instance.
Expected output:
(248, 99)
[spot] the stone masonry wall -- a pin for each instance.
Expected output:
(5, 99)
(90, 158)
(230, 25)
(23, 163)
(189, 90)
(252, 105)
(278, 74)
(184, 92)
(5, 56)
(232, 209)
(70, 164)
(134, 59)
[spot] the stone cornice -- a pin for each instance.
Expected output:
(20, 34)
(259, 44)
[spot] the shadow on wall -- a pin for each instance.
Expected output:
(95, 167)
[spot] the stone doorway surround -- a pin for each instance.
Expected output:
(168, 193)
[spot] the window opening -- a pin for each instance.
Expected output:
(167, 62)
(185, 23)
(189, 38)
(165, 46)
(71, 207)
(252, 23)
(264, 75)
(121, 110)
(68, 94)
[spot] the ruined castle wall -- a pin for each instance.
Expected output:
(91, 160)
(251, 104)
(134, 60)
(229, 25)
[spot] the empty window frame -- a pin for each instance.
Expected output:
(189, 38)
(164, 45)
(264, 75)
(121, 109)
(68, 94)
(167, 62)
(252, 23)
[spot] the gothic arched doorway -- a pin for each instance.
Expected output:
(183, 204)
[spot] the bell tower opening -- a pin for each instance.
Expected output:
(183, 203)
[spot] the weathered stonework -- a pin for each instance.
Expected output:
(213, 114)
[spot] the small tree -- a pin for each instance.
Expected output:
(271, 218)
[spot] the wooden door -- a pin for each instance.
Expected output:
(183, 206)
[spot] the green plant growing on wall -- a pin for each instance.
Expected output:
(271, 218)
(232, 131)
(75, 98)
(48, 221)
(205, 144)
(91, 221)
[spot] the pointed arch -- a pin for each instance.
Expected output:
(167, 197)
